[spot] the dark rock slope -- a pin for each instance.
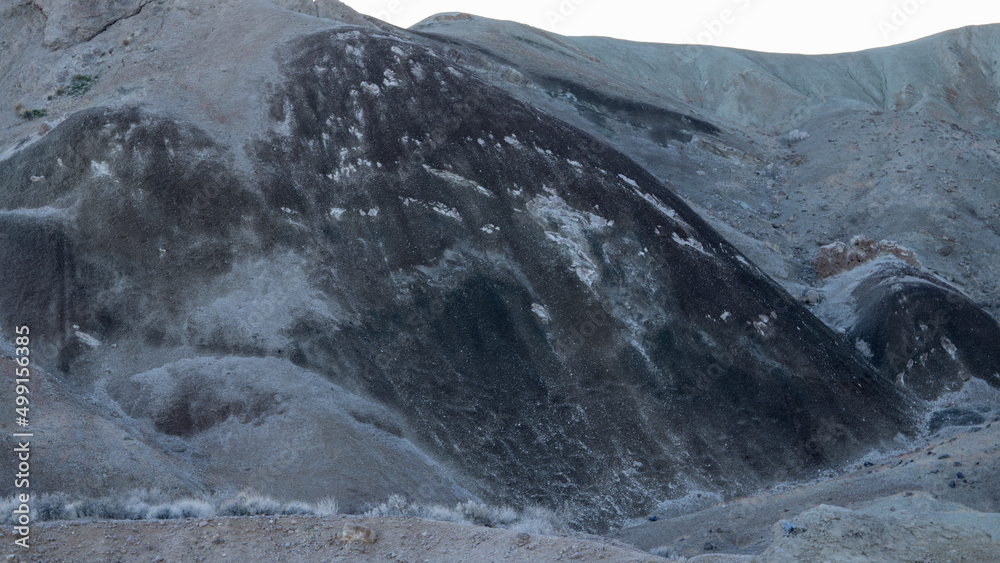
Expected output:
(918, 330)
(786, 154)
(897, 143)
(390, 268)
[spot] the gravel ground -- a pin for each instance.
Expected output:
(305, 538)
(958, 465)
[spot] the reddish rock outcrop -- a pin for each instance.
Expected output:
(837, 257)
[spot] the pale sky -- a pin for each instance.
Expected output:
(789, 26)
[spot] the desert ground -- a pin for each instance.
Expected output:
(948, 490)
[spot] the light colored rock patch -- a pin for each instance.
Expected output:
(442, 209)
(541, 311)
(568, 228)
(85, 338)
(257, 302)
(949, 347)
(690, 241)
(582, 263)
(284, 127)
(390, 80)
(100, 168)
(446, 211)
(457, 180)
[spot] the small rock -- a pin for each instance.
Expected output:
(946, 250)
(653, 518)
(709, 546)
(960, 475)
(945, 456)
(355, 533)
(951, 483)
(523, 539)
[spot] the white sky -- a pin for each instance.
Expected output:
(789, 26)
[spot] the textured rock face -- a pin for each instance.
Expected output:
(925, 334)
(900, 145)
(438, 285)
(541, 312)
(838, 257)
(68, 23)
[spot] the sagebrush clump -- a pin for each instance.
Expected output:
(80, 84)
(25, 113)
(793, 136)
(154, 504)
(531, 520)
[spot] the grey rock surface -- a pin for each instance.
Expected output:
(68, 23)
(476, 264)
(899, 144)
(746, 526)
(901, 528)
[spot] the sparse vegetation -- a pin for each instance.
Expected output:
(793, 136)
(326, 507)
(26, 113)
(80, 84)
(250, 504)
(531, 520)
(153, 504)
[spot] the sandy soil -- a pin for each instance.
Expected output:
(304, 538)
